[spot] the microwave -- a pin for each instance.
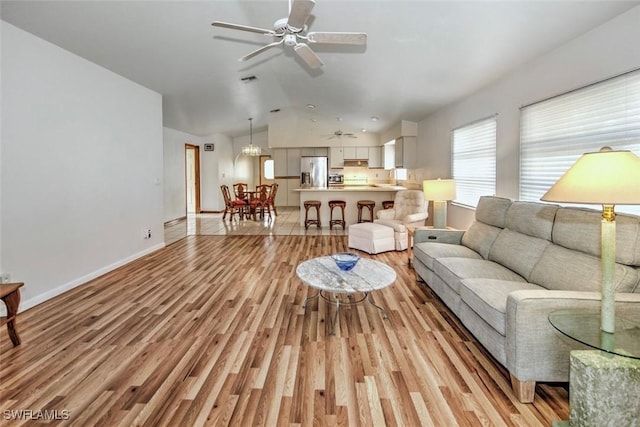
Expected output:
(336, 179)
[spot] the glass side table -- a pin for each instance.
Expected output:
(604, 383)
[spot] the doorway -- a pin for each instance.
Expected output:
(192, 178)
(266, 170)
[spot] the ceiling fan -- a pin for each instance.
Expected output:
(340, 134)
(292, 31)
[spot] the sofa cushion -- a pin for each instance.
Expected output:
(453, 270)
(579, 229)
(517, 251)
(426, 252)
(492, 210)
(480, 237)
(565, 269)
(532, 219)
(488, 298)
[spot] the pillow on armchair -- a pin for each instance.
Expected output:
(409, 209)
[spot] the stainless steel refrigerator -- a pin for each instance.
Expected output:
(314, 172)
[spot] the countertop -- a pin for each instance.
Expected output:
(363, 188)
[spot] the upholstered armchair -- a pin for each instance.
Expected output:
(409, 209)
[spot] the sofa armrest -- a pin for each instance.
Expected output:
(415, 217)
(426, 234)
(535, 350)
(386, 214)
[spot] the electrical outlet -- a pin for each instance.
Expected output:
(147, 233)
(5, 277)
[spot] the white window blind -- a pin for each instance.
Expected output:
(554, 133)
(474, 161)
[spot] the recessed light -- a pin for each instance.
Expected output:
(363, 130)
(313, 120)
(275, 110)
(248, 78)
(374, 118)
(311, 106)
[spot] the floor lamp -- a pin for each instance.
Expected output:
(440, 191)
(606, 178)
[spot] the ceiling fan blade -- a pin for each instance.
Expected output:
(243, 28)
(338, 38)
(300, 12)
(262, 49)
(309, 56)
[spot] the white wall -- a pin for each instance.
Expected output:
(216, 169)
(606, 51)
(81, 171)
(175, 204)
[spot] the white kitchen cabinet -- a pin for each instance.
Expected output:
(279, 156)
(349, 152)
(293, 162)
(314, 151)
(336, 157)
(362, 153)
(375, 157)
(405, 152)
(293, 197)
(282, 193)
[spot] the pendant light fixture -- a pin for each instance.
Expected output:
(251, 150)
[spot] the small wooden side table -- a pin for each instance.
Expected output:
(10, 294)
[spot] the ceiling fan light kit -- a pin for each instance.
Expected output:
(291, 32)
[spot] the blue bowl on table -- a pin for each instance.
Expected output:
(345, 260)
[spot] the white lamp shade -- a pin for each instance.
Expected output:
(439, 189)
(606, 177)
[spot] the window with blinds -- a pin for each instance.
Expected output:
(554, 133)
(474, 161)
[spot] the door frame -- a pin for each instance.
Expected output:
(196, 168)
(262, 180)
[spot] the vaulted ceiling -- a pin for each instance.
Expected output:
(419, 56)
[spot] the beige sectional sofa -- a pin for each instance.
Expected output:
(517, 262)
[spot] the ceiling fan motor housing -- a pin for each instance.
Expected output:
(290, 40)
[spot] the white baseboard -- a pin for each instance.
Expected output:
(39, 299)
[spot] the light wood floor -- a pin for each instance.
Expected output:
(286, 223)
(211, 331)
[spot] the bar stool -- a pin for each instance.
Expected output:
(336, 204)
(370, 204)
(387, 204)
(312, 204)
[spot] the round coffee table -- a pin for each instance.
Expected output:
(324, 275)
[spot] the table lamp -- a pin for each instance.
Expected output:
(606, 178)
(440, 191)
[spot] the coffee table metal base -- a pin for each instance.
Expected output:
(336, 301)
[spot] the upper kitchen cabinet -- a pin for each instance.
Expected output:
(293, 162)
(362, 153)
(336, 157)
(317, 151)
(279, 156)
(375, 157)
(405, 152)
(349, 152)
(286, 162)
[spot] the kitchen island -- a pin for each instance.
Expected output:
(351, 195)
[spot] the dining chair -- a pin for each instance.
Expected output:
(260, 203)
(231, 206)
(240, 189)
(272, 198)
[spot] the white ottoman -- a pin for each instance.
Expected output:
(370, 237)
